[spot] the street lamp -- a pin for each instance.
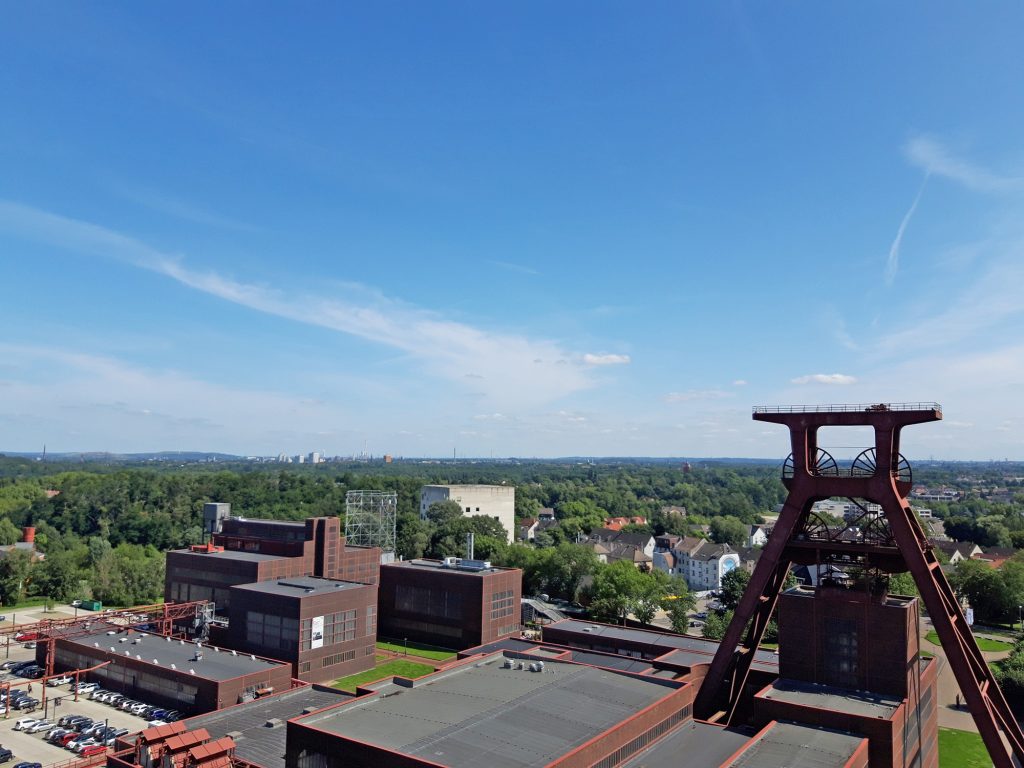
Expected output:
(1020, 619)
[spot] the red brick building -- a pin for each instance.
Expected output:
(452, 604)
(326, 628)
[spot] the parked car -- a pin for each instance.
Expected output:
(24, 723)
(5, 754)
(53, 682)
(79, 744)
(92, 749)
(41, 726)
(27, 704)
(86, 687)
(28, 765)
(24, 637)
(56, 733)
(68, 737)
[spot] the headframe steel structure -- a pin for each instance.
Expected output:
(371, 518)
(880, 475)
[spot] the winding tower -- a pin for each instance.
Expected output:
(869, 544)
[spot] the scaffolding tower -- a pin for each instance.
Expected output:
(370, 520)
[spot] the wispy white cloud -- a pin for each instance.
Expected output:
(696, 394)
(825, 378)
(68, 396)
(993, 298)
(892, 264)
(606, 359)
(740, 383)
(180, 209)
(936, 159)
(513, 369)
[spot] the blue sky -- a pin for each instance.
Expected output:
(537, 229)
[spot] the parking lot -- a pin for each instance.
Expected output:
(33, 748)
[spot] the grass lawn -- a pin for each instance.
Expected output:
(426, 651)
(388, 669)
(31, 602)
(984, 643)
(962, 749)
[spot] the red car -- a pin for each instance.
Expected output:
(68, 737)
(23, 637)
(95, 749)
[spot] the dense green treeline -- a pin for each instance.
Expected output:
(104, 529)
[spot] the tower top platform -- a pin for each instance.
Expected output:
(849, 414)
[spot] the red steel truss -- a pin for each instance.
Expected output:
(882, 476)
(162, 617)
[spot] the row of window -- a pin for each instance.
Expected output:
(122, 677)
(268, 630)
(432, 601)
(502, 604)
(337, 658)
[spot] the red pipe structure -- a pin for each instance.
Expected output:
(888, 543)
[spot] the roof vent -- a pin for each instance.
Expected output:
(236, 735)
(274, 722)
(252, 656)
(174, 666)
(234, 653)
(191, 671)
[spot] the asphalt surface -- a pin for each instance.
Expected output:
(31, 747)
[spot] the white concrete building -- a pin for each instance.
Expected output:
(497, 501)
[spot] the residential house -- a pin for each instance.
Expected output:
(701, 562)
(758, 536)
(996, 556)
(956, 550)
(618, 523)
(528, 528)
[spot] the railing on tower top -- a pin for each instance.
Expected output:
(848, 408)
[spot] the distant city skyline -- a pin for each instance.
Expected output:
(528, 231)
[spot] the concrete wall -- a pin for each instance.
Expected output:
(498, 501)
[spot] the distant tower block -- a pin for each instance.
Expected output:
(873, 545)
(370, 518)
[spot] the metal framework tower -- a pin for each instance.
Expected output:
(889, 543)
(370, 518)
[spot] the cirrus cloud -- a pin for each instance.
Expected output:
(825, 378)
(606, 359)
(696, 394)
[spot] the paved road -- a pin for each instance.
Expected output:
(948, 690)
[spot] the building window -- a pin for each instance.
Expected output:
(371, 619)
(841, 653)
(502, 604)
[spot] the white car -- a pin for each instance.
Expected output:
(39, 727)
(25, 723)
(78, 746)
(53, 682)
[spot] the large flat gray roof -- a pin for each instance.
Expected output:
(845, 700)
(229, 554)
(700, 745)
(299, 586)
(255, 741)
(791, 745)
(483, 714)
(660, 643)
(437, 565)
(215, 665)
